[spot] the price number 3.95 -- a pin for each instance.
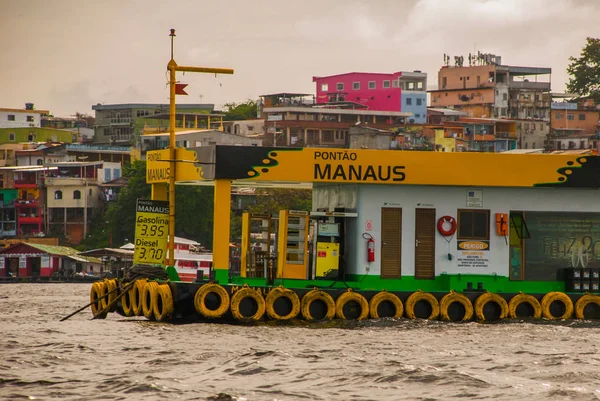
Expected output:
(152, 230)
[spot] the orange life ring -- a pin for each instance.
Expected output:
(442, 230)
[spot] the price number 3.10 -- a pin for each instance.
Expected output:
(152, 230)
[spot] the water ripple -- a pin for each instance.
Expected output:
(388, 359)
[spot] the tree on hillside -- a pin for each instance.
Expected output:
(121, 213)
(240, 111)
(585, 71)
(194, 213)
(271, 201)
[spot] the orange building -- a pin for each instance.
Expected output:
(574, 126)
(582, 117)
(488, 89)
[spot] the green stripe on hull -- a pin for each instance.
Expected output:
(442, 283)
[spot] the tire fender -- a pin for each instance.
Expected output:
(280, 292)
(385, 296)
(350, 296)
(317, 295)
(451, 298)
(418, 296)
(521, 298)
(200, 298)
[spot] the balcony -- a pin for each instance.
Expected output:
(21, 203)
(506, 135)
(540, 86)
(29, 219)
(120, 121)
(29, 183)
(69, 181)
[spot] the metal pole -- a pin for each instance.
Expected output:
(171, 66)
(85, 209)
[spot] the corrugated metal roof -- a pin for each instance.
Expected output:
(122, 106)
(108, 252)
(64, 251)
(588, 152)
(450, 112)
(524, 151)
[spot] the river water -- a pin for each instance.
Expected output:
(134, 359)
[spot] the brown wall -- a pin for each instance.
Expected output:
(589, 124)
(74, 233)
(463, 98)
(465, 77)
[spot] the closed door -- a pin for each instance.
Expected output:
(391, 242)
(425, 244)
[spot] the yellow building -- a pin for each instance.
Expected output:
(73, 195)
(449, 138)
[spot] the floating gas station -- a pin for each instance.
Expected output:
(433, 235)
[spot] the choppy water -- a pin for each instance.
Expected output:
(133, 359)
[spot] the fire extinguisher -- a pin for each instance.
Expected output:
(370, 247)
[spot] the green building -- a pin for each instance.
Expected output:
(123, 123)
(36, 134)
(8, 215)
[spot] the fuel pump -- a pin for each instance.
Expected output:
(327, 249)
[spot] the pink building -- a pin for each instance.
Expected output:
(398, 91)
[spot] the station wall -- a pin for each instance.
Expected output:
(446, 201)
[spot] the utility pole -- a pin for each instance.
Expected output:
(172, 67)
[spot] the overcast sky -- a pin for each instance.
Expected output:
(66, 55)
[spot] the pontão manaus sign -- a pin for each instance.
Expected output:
(151, 230)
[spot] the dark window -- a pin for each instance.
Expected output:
(76, 194)
(58, 194)
(30, 119)
(517, 220)
(11, 117)
(582, 116)
(408, 101)
(474, 224)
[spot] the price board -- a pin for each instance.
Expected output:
(151, 230)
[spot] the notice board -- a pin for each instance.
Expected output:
(151, 230)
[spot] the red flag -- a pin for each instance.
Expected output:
(179, 89)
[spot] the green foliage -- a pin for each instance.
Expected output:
(193, 210)
(194, 213)
(240, 111)
(585, 71)
(271, 201)
(99, 235)
(121, 213)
